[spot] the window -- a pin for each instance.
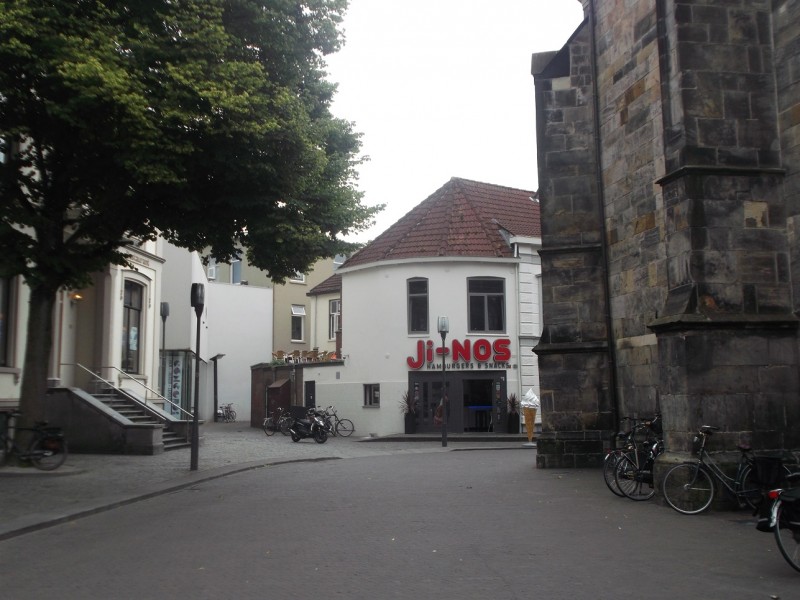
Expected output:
(298, 277)
(298, 321)
(5, 321)
(417, 305)
(211, 271)
(236, 271)
(486, 304)
(372, 394)
(334, 313)
(338, 260)
(131, 326)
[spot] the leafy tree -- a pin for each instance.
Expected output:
(204, 121)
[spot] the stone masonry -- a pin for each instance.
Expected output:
(668, 135)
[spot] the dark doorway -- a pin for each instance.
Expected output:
(427, 391)
(474, 400)
(478, 405)
(310, 394)
(278, 393)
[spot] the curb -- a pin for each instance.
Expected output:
(41, 521)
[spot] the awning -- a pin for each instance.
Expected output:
(278, 383)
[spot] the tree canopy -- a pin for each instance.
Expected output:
(207, 122)
(204, 121)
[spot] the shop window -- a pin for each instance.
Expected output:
(5, 322)
(372, 395)
(334, 314)
(486, 304)
(418, 305)
(298, 322)
(132, 326)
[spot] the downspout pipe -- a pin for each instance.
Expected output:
(612, 346)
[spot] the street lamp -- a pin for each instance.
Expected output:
(198, 302)
(444, 327)
(164, 315)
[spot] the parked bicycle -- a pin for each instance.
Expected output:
(640, 435)
(334, 425)
(226, 413)
(633, 474)
(785, 522)
(279, 421)
(46, 448)
(689, 487)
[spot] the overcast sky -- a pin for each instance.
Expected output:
(441, 89)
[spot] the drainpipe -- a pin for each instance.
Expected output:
(612, 346)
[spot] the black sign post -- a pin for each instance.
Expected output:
(444, 327)
(198, 302)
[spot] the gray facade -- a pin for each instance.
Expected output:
(668, 136)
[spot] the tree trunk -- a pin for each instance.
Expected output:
(37, 355)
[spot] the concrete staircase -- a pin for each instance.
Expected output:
(135, 412)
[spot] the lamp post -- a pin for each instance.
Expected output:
(198, 302)
(164, 315)
(444, 327)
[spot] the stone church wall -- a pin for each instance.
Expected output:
(668, 135)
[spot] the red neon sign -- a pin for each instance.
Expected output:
(480, 350)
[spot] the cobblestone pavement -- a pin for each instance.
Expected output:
(88, 483)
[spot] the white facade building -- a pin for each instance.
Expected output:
(235, 332)
(468, 253)
(109, 329)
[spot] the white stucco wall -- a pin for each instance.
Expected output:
(236, 321)
(240, 327)
(376, 342)
(530, 313)
(182, 269)
(319, 314)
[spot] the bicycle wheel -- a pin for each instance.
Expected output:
(751, 491)
(284, 424)
(48, 452)
(269, 426)
(344, 427)
(688, 488)
(320, 435)
(787, 534)
(609, 468)
(634, 482)
(232, 416)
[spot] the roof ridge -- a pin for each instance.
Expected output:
(483, 218)
(494, 185)
(421, 211)
(463, 218)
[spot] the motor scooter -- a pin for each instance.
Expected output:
(313, 426)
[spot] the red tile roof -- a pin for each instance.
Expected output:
(462, 218)
(331, 285)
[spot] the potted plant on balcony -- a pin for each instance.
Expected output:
(408, 406)
(512, 406)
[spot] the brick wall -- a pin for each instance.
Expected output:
(686, 243)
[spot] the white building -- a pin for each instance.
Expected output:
(235, 332)
(468, 252)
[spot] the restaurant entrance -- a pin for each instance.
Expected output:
(474, 401)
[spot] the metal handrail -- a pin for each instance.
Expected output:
(110, 384)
